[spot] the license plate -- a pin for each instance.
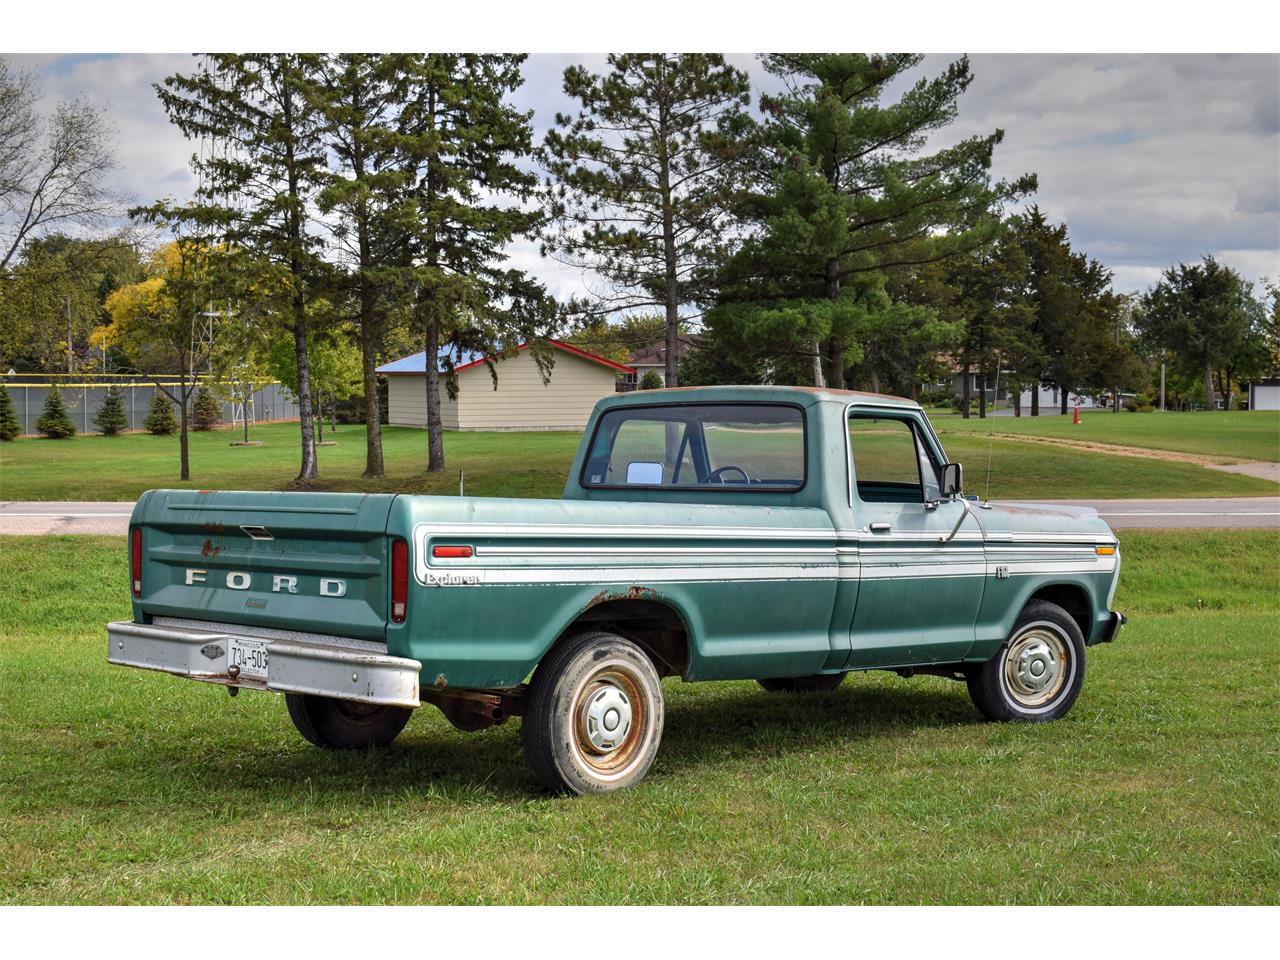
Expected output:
(249, 655)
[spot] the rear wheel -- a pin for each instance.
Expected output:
(817, 683)
(594, 716)
(345, 724)
(1037, 674)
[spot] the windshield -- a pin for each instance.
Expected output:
(714, 445)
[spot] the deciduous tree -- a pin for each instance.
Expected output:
(52, 171)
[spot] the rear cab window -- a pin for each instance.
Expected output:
(705, 446)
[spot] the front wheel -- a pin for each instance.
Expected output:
(593, 719)
(345, 724)
(1037, 674)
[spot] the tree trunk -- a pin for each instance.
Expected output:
(835, 345)
(373, 465)
(671, 292)
(1035, 398)
(1062, 398)
(1208, 385)
(319, 407)
(982, 396)
(964, 393)
(1015, 392)
(435, 432)
(184, 457)
(818, 379)
(309, 469)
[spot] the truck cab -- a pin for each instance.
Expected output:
(780, 534)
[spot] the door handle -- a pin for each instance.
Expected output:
(881, 527)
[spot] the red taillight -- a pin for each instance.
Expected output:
(439, 552)
(399, 580)
(135, 560)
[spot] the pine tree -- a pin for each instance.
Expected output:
(637, 185)
(206, 412)
(843, 189)
(259, 183)
(9, 426)
(650, 380)
(110, 418)
(161, 420)
(462, 141)
(54, 422)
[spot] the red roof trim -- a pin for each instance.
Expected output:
(603, 361)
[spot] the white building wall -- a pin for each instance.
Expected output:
(521, 402)
(407, 402)
(1264, 397)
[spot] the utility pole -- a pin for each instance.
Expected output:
(70, 355)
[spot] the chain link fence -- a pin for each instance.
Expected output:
(83, 398)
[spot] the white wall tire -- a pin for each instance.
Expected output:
(1037, 673)
(594, 717)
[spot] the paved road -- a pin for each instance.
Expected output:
(1253, 512)
(1257, 512)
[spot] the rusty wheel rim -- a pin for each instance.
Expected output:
(610, 721)
(1037, 666)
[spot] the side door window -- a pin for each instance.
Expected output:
(887, 460)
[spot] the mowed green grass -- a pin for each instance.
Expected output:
(523, 465)
(122, 786)
(1237, 434)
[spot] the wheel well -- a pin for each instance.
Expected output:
(653, 625)
(1071, 598)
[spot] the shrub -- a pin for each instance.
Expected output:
(650, 380)
(1146, 408)
(161, 420)
(206, 412)
(111, 418)
(9, 426)
(54, 422)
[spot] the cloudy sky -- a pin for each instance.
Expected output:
(1150, 159)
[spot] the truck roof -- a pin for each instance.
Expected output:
(805, 396)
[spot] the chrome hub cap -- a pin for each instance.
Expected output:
(1036, 666)
(606, 718)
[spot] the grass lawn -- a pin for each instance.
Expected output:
(524, 464)
(118, 785)
(1239, 434)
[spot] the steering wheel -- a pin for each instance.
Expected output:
(715, 475)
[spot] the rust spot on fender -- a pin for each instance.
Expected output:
(209, 550)
(631, 593)
(215, 528)
(441, 682)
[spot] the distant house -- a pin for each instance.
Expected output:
(653, 356)
(520, 402)
(1050, 399)
(1265, 394)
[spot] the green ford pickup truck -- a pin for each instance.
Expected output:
(784, 535)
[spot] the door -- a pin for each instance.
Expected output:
(920, 586)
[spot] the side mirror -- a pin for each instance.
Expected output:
(952, 479)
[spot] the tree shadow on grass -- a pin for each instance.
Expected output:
(706, 726)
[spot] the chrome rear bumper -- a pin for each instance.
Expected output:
(335, 667)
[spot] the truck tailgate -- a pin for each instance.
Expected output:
(310, 562)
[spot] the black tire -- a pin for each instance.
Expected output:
(818, 683)
(1044, 638)
(575, 690)
(345, 724)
